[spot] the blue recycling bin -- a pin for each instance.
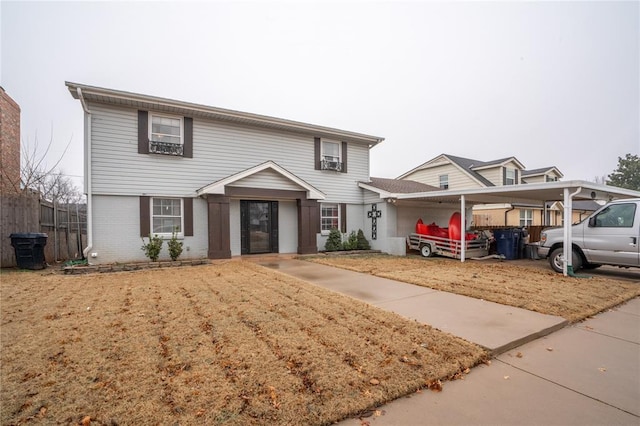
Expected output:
(29, 249)
(508, 242)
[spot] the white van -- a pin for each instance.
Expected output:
(610, 236)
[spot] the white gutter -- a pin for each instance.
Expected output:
(87, 174)
(567, 265)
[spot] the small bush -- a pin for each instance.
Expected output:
(175, 247)
(351, 243)
(362, 243)
(153, 247)
(334, 241)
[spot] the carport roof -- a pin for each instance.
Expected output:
(524, 193)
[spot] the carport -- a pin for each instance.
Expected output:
(525, 193)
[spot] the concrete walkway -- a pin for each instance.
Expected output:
(584, 374)
(491, 325)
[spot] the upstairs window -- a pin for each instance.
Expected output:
(510, 177)
(444, 181)
(329, 217)
(166, 216)
(331, 156)
(166, 135)
(551, 178)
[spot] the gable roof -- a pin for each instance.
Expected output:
(218, 187)
(467, 165)
(137, 100)
(542, 171)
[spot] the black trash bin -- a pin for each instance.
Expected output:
(507, 242)
(29, 248)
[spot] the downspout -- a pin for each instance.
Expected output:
(567, 266)
(506, 213)
(87, 177)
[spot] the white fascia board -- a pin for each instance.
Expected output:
(226, 114)
(218, 187)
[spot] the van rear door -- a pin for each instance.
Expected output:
(612, 235)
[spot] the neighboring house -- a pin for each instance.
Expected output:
(580, 211)
(228, 182)
(450, 172)
(9, 144)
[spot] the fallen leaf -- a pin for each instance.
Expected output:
(602, 369)
(506, 377)
(519, 355)
(550, 349)
(374, 382)
(487, 362)
(435, 385)
(86, 421)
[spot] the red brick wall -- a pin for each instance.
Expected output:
(9, 144)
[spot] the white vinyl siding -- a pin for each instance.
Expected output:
(219, 150)
(493, 175)
(267, 179)
(457, 178)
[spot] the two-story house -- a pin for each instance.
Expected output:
(451, 172)
(226, 182)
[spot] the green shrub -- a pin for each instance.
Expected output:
(334, 241)
(351, 243)
(362, 243)
(175, 247)
(152, 248)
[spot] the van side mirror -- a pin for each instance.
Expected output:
(592, 222)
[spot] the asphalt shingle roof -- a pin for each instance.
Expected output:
(401, 186)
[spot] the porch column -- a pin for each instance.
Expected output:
(219, 228)
(308, 226)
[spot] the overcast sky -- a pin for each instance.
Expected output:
(551, 83)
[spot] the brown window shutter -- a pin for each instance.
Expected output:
(316, 152)
(343, 218)
(517, 182)
(504, 175)
(344, 157)
(188, 216)
(187, 149)
(145, 216)
(143, 132)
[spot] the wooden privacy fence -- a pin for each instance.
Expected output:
(65, 226)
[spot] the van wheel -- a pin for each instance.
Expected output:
(426, 251)
(557, 256)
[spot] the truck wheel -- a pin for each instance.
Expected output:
(426, 251)
(557, 256)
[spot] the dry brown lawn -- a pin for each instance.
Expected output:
(231, 343)
(534, 289)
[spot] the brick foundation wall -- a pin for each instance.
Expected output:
(9, 144)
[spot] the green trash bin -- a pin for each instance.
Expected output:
(29, 249)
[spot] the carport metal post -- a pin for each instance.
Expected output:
(567, 265)
(463, 227)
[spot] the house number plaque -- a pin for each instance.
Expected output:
(374, 214)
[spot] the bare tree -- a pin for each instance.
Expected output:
(49, 181)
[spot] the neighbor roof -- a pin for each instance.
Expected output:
(541, 171)
(136, 100)
(469, 166)
(399, 186)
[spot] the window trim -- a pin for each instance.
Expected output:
(526, 217)
(507, 171)
(323, 160)
(150, 132)
(338, 209)
(167, 235)
(440, 180)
